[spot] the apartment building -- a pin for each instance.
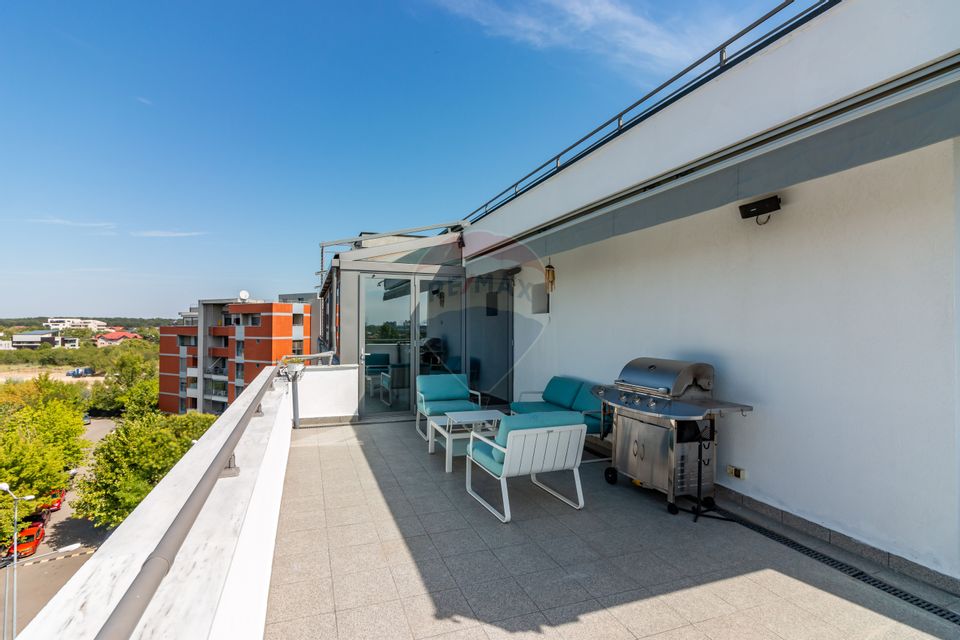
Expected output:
(222, 344)
(59, 324)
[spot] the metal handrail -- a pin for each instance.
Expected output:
(724, 60)
(126, 615)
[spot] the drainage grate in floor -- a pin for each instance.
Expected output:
(848, 569)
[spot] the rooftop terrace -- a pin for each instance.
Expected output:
(355, 531)
(376, 541)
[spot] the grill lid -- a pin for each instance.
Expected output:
(672, 378)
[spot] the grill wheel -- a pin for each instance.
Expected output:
(610, 475)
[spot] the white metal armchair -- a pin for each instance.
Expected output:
(527, 445)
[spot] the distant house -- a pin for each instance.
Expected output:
(116, 337)
(6, 345)
(33, 339)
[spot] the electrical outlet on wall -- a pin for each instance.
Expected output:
(736, 472)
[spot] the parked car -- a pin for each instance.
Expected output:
(40, 516)
(55, 500)
(86, 418)
(28, 541)
(80, 372)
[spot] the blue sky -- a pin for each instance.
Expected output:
(155, 153)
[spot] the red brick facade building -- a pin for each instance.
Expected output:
(220, 346)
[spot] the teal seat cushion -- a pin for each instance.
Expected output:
(447, 386)
(482, 453)
(533, 407)
(593, 424)
(532, 421)
(377, 359)
(562, 391)
(585, 400)
(440, 407)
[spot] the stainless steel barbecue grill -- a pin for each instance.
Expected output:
(664, 425)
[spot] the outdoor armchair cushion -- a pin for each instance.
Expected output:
(440, 407)
(377, 362)
(586, 401)
(562, 391)
(593, 424)
(532, 421)
(482, 454)
(447, 386)
(534, 407)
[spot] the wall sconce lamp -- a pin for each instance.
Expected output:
(550, 277)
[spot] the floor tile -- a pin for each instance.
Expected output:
(477, 566)
(532, 626)
(351, 535)
(450, 543)
(365, 587)
(362, 557)
(301, 542)
(305, 566)
(396, 528)
(497, 535)
(300, 599)
(422, 576)
(642, 614)
(602, 577)
(524, 558)
(498, 600)
(568, 549)
(553, 588)
(440, 521)
(413, 549)
(694, 602)
(384, 621)
(321, 627)
(436, 613)
(586, 621)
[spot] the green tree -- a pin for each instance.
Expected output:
(38, 443)
(141, 398)
(128, 368)
(129, 462)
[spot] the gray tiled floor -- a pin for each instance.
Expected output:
(376, 541)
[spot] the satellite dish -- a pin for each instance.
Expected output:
(244, 295)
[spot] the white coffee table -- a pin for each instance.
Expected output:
(454, 430)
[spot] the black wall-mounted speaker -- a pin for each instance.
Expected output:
(760, 207)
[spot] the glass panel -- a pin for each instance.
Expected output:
(440, 327)
(386, 336)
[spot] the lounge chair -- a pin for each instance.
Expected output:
(529, 444)
(443, 393)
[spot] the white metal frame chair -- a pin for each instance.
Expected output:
(424, 433)
(529, 452)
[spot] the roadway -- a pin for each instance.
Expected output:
(39, 580)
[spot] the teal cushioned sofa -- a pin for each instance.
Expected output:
(564, 393)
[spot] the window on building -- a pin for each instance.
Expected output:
(239, 372)
(298, 319)
(239, 348)
(253, 320)
(297, 348)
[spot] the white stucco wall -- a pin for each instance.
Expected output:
(836, 320)
(850, 48)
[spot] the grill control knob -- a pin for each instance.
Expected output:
(652, 403)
